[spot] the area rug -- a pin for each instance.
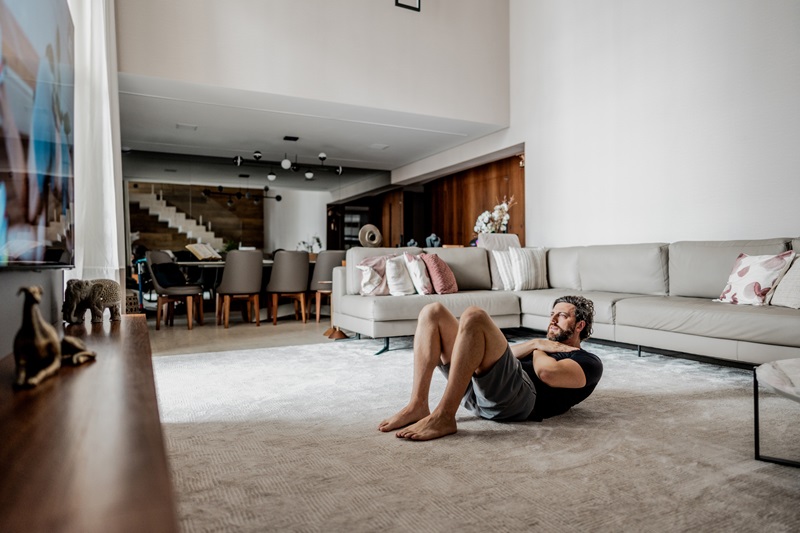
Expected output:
(285, 439)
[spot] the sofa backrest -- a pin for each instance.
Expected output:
(632, 268)
(796, 245)
(562, 268)
(700, 269)
(470, 266)
(358, 253)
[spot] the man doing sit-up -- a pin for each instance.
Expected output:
(531, 380)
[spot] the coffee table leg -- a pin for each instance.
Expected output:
(758, 456)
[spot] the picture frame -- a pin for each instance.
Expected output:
(413, 5)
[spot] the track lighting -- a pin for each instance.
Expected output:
(322, 157)
(286, 164)
(257, 155)
(309, 175)
(272, 176)
(238, 160)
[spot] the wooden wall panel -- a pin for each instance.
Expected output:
(458, 199)
(392, 218)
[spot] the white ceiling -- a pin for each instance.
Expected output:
(217, 124)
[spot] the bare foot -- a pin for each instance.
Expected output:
(429, 428)
(405, 416)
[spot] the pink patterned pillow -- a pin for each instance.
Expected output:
(754, 277)
(373, 276)
(442, 278)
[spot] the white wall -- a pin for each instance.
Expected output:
(297, 217)
(368, 53)
(651, 121)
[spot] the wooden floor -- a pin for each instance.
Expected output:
(177, 339)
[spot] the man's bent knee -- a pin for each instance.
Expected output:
(432, 312)
(474, 316)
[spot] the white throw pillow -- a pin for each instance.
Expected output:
(787, 293)
(419, 273)
(754, 277)
(501, 242)
(502, 258)
(528, 268)
(397, 277)
(370, 280)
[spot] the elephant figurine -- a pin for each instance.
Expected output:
(95, 294)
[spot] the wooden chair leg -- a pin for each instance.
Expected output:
(189, 311)
(275, 309)
(257, 309)
(170, 312)
(226, 310)
(218, 310)
(303, 307)
(319, 302)
(159, 305)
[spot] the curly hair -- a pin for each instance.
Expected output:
(584, 310)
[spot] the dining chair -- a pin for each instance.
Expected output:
(241, 280)
(322, 278)
(289, 278)
(171, 287)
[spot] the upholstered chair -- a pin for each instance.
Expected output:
(171, 287)
(241, 280)
(289, 279)
(322, 278)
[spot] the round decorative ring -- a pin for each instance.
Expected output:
(369, 236)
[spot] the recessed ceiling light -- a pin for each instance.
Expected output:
(291, 138)
(170, 170)
(377, 146)
(184, 126)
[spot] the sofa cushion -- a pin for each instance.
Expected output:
(753, 278)
(705, 318)
(358, 253)
(387, 308)
(528, 268)
(470, 266)
(787, 293)
(500, 242)
(562, 268)
(629, 268)
(700, 268)
(540, 303)
(503, 280)
(398, 278)
(796, 245)
(419, 273)
(373, 276)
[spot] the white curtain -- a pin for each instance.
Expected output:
(99, 220)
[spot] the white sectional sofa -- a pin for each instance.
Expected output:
(653, 295)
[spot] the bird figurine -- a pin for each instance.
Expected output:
(38, 353)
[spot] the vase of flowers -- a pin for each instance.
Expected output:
(495, 221)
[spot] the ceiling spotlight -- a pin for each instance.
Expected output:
(278, 198)
(266, 188)
(229, 203)
(238, 160)
(322, 156)
(272, 176)
(219, 188)
(339, 171)
(239, 195)
(286, 164)
(309, 175)
(295, 168)
(257, 155)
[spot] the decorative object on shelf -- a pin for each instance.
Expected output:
(412, 242)
(95, 295)
(433, 241)
(497, 220)
(413, 5)
(312, 246)
(38, 353)
(370, 236)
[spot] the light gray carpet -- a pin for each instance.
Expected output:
(285, 439)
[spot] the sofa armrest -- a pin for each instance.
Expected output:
(339, 287)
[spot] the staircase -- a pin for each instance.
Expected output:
(175, 219)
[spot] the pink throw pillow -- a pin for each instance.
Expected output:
(442, 278)
(754, 277)
(373, 280)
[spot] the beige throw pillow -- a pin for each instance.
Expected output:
(787, 293)
(528, 268)
(500, 242)
(397, 277)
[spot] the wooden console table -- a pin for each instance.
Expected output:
(84, 450)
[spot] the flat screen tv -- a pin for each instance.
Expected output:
(36, 125)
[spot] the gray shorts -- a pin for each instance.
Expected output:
(505, 392)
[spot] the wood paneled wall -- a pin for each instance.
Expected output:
(457, 200)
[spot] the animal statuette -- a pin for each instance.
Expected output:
(38, 353)
(96, 295)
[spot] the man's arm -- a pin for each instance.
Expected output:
(524, 349)
(563, 374)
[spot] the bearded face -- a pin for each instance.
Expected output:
(555, 333)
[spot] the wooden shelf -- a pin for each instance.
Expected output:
(84, 450)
